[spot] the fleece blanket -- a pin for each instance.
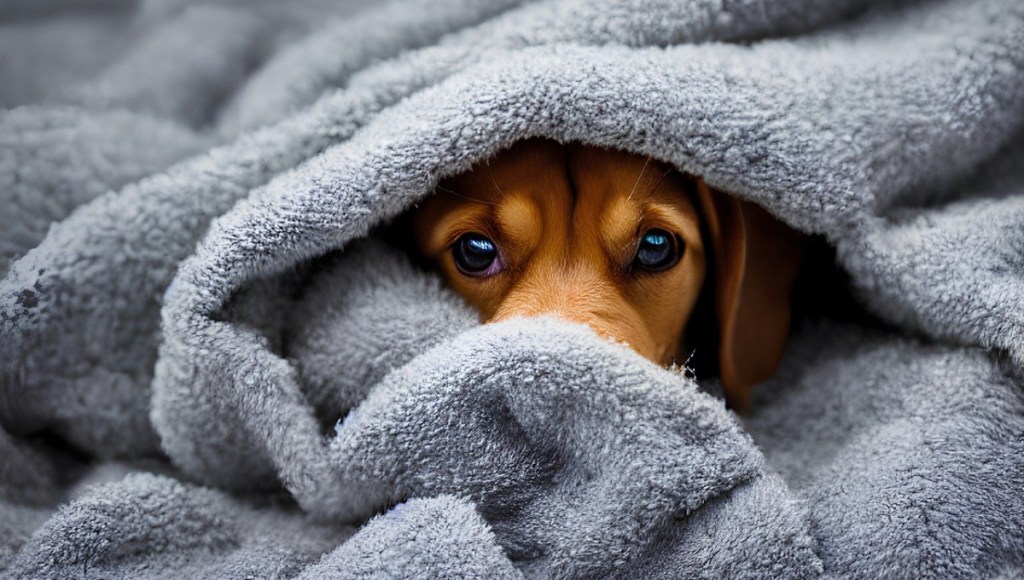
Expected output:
(213, 365)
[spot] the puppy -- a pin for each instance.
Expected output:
(621, 243)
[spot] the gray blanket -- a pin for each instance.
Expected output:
(212, 367)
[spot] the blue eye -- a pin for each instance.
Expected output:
(476, 255)
(658, 250)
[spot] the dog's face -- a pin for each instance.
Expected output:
(594, 236)
(610, 239)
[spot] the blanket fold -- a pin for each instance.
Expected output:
(213, 362)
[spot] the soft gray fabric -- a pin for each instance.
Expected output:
(926, 440)
(206, 372)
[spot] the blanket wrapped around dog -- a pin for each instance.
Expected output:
(211, 366)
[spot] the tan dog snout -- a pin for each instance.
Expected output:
(581, 294)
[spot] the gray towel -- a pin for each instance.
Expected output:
(205, 371)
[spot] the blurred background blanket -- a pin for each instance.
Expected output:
(211, 365)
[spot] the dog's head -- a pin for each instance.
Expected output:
(619, 242)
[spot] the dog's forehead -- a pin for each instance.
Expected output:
(613, 172)
(533, 166)
(542, 167)
(540, 187)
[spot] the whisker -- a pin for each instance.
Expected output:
(466, 197)
(638, 178)
(493, 181)
(689, 371)
(658, 182)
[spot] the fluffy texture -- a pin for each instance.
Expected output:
(206, 372)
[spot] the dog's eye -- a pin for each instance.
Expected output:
(658, 250)
(476, 255)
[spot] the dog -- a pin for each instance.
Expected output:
(621, 243)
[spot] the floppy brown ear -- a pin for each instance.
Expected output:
(756, 260)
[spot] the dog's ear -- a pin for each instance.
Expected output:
(756, 261)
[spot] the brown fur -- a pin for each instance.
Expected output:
(567, 221)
